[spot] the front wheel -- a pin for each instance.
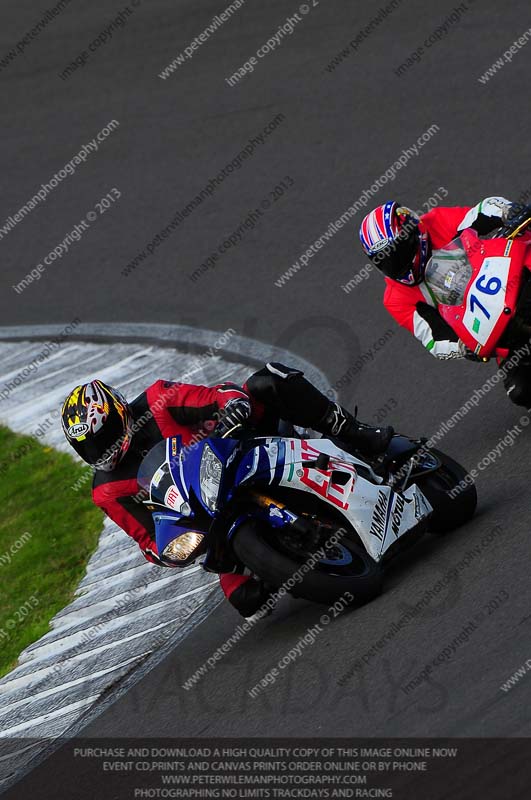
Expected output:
(345, 567)
(450, 492)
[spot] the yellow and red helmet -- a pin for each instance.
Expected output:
(97, 423)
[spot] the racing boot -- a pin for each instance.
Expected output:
(343, 426)
(292, 397)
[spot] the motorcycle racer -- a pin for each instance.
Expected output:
(400, 244)
(114, 435)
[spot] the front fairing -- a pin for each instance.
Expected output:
(170, 478)
(347, 484)
(170, 474)
(188, 471)
(480, 311)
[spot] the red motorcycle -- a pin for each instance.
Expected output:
(483, 287)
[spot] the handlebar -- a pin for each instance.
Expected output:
(517, 224)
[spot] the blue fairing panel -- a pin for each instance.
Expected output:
(262, 464)
(167, 527)
(223, 448)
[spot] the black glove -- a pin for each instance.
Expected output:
(516, 214)
(516, 210)
(235, 413)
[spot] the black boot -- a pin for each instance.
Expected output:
(339, 423)
(287, 392)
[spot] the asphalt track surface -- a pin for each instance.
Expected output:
(342, 129)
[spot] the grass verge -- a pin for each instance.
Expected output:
(47, 534)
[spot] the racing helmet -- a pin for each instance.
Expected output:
(390, 235)
(97, 423)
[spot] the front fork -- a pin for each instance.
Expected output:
(274, 513)
(277, 515)
(403, 460)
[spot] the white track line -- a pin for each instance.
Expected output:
(59, 712)
(66, 665)
(73, 640)
(15, 753)
(64, 686)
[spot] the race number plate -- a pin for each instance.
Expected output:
(486, 297)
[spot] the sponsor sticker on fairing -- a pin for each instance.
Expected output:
(157, 477)
(379, 517)
(173, 499)
(396, 516)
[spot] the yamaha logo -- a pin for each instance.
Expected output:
(78, 430)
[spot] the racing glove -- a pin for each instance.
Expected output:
(514, 210)
(486, 216)
(515, 216)
(236, 412)
(151, 554)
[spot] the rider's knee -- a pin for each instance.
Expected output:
(244, 592)
(268, 384)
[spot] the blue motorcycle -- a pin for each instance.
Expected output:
(300, 511)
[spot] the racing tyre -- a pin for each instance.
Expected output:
(449, 512)
(345, 567)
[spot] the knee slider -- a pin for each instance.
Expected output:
(248, 598)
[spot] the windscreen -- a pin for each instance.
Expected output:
(154, 476)
(153, 465)
(448, 273)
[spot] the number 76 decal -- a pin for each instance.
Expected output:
(492, 288)
(486, 298)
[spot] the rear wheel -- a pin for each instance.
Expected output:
(449, 510)
(280, 561)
